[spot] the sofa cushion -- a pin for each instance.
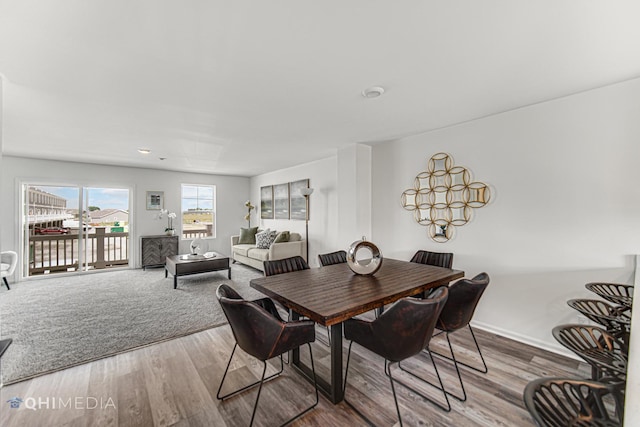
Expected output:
(295, 237)
(265, 239)
(282, 236)
(242, 249)
(248, 236)
(259, 254)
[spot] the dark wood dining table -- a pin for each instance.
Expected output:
(332, 294)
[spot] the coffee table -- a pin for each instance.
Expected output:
(183, 265)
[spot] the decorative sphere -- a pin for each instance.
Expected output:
(359, 267)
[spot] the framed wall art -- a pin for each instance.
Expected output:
(298, 201)
(281, 201)
(266, 202)
(155, 200)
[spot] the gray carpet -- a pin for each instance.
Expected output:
(60, 322)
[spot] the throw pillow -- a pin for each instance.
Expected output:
(265, 239)
(282, 236)
(247, 236)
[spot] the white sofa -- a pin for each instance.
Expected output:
(252, 256)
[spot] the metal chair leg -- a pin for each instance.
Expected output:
(233, 393)
(263, 379)
(6, 283)
(484, 364)
(446, 407)
(255, 405)
(393, 389)
(315, 386)
(387, 371)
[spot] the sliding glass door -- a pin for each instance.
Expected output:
(71, 228)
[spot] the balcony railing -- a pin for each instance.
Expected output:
(192, 232)
(60, 252)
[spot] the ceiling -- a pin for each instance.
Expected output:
(246, 87)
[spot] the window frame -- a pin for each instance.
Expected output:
(184, 208)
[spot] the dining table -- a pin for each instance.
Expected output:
(332, 294)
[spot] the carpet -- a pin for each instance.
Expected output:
(61, 322)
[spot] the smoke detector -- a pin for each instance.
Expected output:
(373, 92)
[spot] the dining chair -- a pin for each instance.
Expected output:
(285, 265)
(337, 257)
(616, 320)
(617, 293)
(402, 331)
(438, 259)
(289, 265)
(261, 333)
(464, 296)
(560, 402)
(606, 355)
(8, 263)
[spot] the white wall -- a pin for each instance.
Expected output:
(231, 195)
(566, 197)
(323, 205)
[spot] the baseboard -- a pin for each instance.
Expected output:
(557, 349)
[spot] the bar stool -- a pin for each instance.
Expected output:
(606, 355)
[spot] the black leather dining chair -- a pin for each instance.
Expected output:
(438, 259)
(464, 296)
(401, 332)
(261, 333)
(606, 355)
(560, 402)
(289, 265)
(337, 257)
(285, 265)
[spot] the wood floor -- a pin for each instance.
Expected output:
(174, 383)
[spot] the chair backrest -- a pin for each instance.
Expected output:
(563, 402)
(255, 330)
(438, 259)
(464, 296)
(405, 328)
(337, 257)
(596, 346)
(616, 293)
(286, 265)
(11, 259)
(612, 318)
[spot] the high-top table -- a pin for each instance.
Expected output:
(332, 294)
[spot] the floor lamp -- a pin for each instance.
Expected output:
(306, 192)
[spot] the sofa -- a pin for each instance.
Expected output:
(250, 255)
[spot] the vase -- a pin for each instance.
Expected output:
(170, 232)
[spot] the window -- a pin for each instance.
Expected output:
(198, 211)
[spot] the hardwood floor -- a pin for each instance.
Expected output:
(174, 383)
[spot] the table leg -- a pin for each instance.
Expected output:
(175, 281)
(229, 272)
(166, 272)
(332, 389)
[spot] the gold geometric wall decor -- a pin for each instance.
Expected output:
(443, 197)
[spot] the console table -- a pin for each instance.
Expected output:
(155, 249)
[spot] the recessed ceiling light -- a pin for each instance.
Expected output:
(373, 92)
(144, 150)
